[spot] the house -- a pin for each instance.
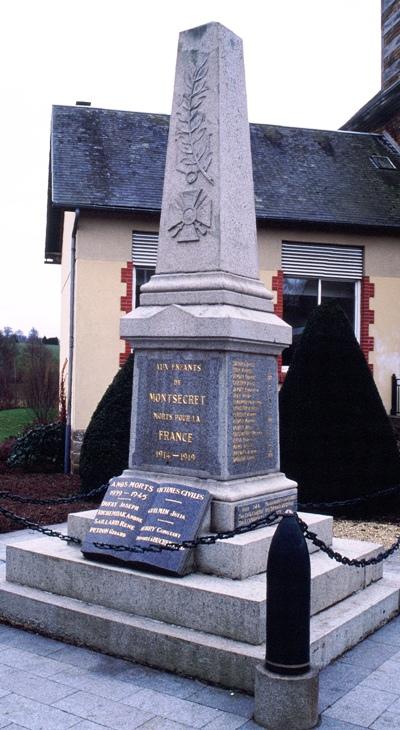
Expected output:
(328, 220)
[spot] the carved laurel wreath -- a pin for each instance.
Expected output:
(194, 148)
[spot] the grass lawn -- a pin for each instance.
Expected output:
(13, 421)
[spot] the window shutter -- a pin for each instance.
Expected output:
(321, 261)
(144, 249)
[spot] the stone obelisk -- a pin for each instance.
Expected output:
(206, 340)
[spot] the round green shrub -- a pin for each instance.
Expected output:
(105, 447)
(336, 439)
(39, 449)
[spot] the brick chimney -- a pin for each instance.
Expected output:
(390, 43)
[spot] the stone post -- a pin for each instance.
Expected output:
(206, 340)
(286, 687)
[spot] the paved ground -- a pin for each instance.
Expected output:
(47, 685)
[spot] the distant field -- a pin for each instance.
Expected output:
(22, 346)
(13, 421)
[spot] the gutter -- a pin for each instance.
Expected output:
(67, 442)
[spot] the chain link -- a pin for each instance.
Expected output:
(350, 502)
(70, 499)
(269, 519)
(211, 539)
(19, 520)
(81, 497)
(354, 562)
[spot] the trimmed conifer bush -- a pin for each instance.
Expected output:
(105, 447)
(336, 439)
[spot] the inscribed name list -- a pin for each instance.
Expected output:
(253, 444)
(142, 513)
(177, 412)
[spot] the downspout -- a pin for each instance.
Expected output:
(67, 443)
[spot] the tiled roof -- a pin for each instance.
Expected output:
(115, 160)
(385, 105)
(314, 176)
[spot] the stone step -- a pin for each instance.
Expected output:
(187, 651)
(230, 608)
(239, 557)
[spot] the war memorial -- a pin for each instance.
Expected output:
(204, 446)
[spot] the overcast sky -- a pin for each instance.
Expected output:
(309, 63)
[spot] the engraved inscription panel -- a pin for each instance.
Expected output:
(253, 443)
(175, 516)
(143, 513)
(256, 510)
(177, 412)
(120, 517)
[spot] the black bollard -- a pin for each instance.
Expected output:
(288, 600)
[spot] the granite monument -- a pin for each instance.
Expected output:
(206, 339)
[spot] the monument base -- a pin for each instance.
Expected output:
(204, 626)
(289, 702)
(235, 502)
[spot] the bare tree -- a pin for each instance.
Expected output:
(41, 378)
(8, 368)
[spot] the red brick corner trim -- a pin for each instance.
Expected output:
(367, 318)
(126, 305)
(277, 286)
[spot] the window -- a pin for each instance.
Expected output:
(382, 162)
(141, 276)
(144, 257)
(314, 274)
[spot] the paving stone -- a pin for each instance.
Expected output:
(388, 721)
(328, 724)
(227, 721)
(34, 715)
(5, 723)
(88, 725)
(19, 659)
(328, 696)
(389, 634)
(29, 685)
(222, 699)
(9, 631)
(161, 723)
(386, 677)
(145, 677)
(13, 726)
(174, 708)
(342, 676)
(361, 706)
(396, 707)
(30, 642)
(110, 665)
(97, 684)
(79, 657)
(103, 711)
(395, 657)
(368, 654)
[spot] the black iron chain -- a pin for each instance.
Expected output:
(19, 520)
(269, 519)
(211, 539)
(354, 562)
(349, 502)
(81, 497)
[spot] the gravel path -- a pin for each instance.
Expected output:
(384, 531)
